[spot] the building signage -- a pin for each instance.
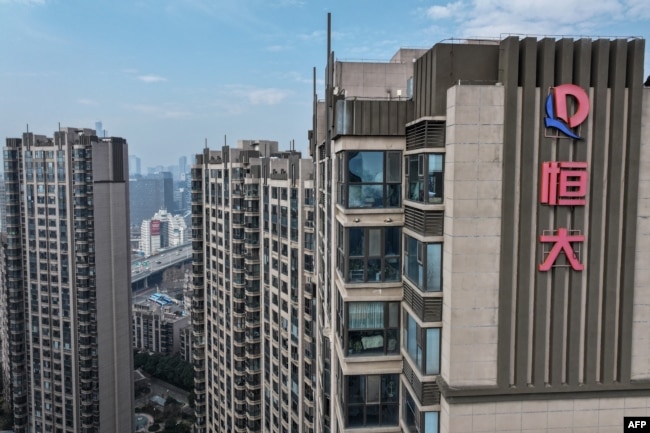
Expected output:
(563, 183)
(154, 228)
(557, 109)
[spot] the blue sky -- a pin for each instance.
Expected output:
(168, 74)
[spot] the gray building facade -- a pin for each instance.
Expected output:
(253, 301)
(68, 288)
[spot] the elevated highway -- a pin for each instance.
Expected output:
(145, 268)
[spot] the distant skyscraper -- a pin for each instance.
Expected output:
(99, 129)
(68, 288)
(134, 165)
(149, 194)
(182, 165)
(253, 300)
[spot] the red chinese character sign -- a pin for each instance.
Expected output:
(564, 183)
(562, 242)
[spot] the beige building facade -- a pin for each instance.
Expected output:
(517, 292)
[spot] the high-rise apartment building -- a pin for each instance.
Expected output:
(67, 282)
(253, 298)
(481, 243)
(3, 209)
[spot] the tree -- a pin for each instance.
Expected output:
(171, 369)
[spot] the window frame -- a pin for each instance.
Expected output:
(419, 182)
(354, 345)
(386, 395)
(427, 284)
(420, 359)
(360, 267)
(391, 189)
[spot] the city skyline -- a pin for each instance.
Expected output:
(179, 73)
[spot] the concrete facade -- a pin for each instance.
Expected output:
(471, 254)
(595, 415)
(68, 287)
(641, 313)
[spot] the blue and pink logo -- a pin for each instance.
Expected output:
(557, 109)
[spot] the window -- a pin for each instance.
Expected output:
(425, 177)
(369, 254)
(369, 400)
(423, 264)
(416, 421)
(422, 345)
(369, 328)
(370, 179)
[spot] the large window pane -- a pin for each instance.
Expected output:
(433, 351)
(372, 328)
(435, 178)
(392, 272)
(369, 179)
(356, 389)
(393, 244)
(431, 422)
(422, 260)
(365, 315)
(374, 383)
(434, 267)
(366, 167)
(373, 254)
(393, 164)
(356, 241)
(377, 406)
(362, 196)
(374, 242)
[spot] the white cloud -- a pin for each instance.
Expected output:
(480, 18)
(151, 78)
(266, 96)
(85, 101)
(449, 10)
(316, 35)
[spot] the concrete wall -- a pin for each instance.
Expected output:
(641, 309)
(472, 235)
(113, 270)
(595, 415)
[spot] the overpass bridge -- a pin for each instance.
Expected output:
(147, 270)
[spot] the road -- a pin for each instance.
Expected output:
(141, 268)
